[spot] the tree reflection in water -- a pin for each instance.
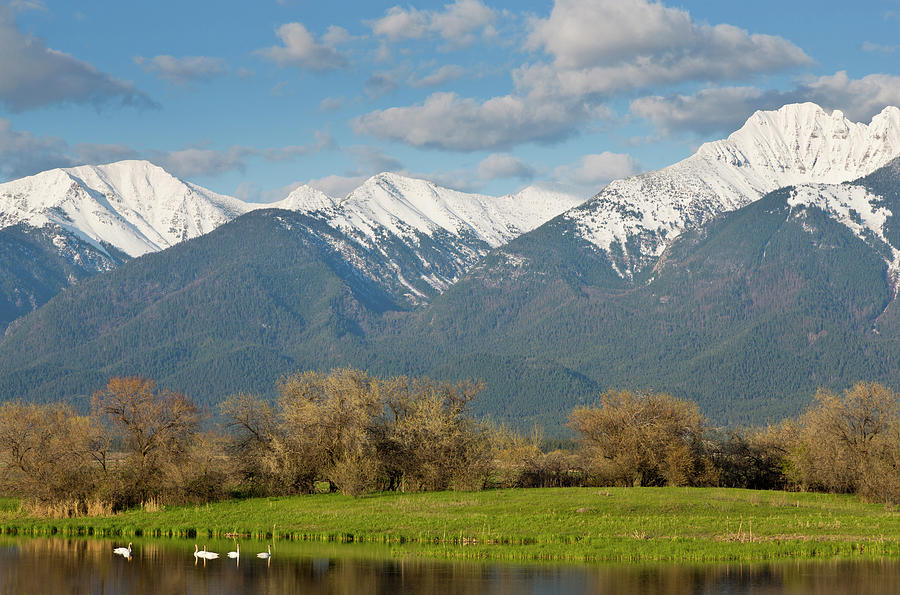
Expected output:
(88, 566)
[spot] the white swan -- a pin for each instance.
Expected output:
(266, 554)
(237, 553)
(208, 555)
(123, 551)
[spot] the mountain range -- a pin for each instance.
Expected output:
(63, 225)
(745, 276)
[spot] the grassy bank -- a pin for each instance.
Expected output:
(572, 524)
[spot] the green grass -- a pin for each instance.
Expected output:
(8, 505)
(572, 524)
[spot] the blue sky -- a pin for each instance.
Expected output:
(253, 98)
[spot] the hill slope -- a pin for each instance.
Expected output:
(37, 263)
(211, 315)
(748, 314)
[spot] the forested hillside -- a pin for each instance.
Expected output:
(217, 314)
(37, 263)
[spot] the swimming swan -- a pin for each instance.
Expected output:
(266, 554)
(123, 551)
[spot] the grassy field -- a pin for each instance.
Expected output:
(565, 524)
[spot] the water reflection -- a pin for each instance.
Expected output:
(89, 566)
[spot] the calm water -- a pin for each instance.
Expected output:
(34, 566)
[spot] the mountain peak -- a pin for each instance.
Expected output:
(795, 144)
(133, 205)
(397, 185)
(800, 143)
(390, 176)
(303, 199)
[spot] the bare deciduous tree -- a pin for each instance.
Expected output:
(154, 429)
(643, 439)
(847, 443)
(45, 453)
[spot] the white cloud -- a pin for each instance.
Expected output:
(457, 24)
(594, 170)
(379, 84)
(594, 50)
(280, 89)
(323, 142)
(724, 109)
(373, 160)
(337, 186)
(859, 99)
(399, 23)
(502, 165)
(23, 5)
(300, 49)
(335, 36)
(33, 75)
(24, 154)
(461, 180)
(331, 104)
(102, 153)
(461, 19)
(248, 192)
(707, 111)
(383, 53)
(198, 161)
(444, 74)
(585, 33)
(868, 46)
(605, 47)
(252, 192)
(183, 71)
(193, 162)
(447, 121)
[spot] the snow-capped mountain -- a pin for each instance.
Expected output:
(633, 219)
(418, 237)
(403, 206)
(427, 235)
(133, 206)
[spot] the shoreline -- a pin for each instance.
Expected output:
(563, 525)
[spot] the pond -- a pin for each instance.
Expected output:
(59, 565)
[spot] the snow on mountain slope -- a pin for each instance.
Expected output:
(633, 219)
(138, 207)
(304, 199)
(859, 209)
(406, 206)
(427, 234)
(134, 206)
